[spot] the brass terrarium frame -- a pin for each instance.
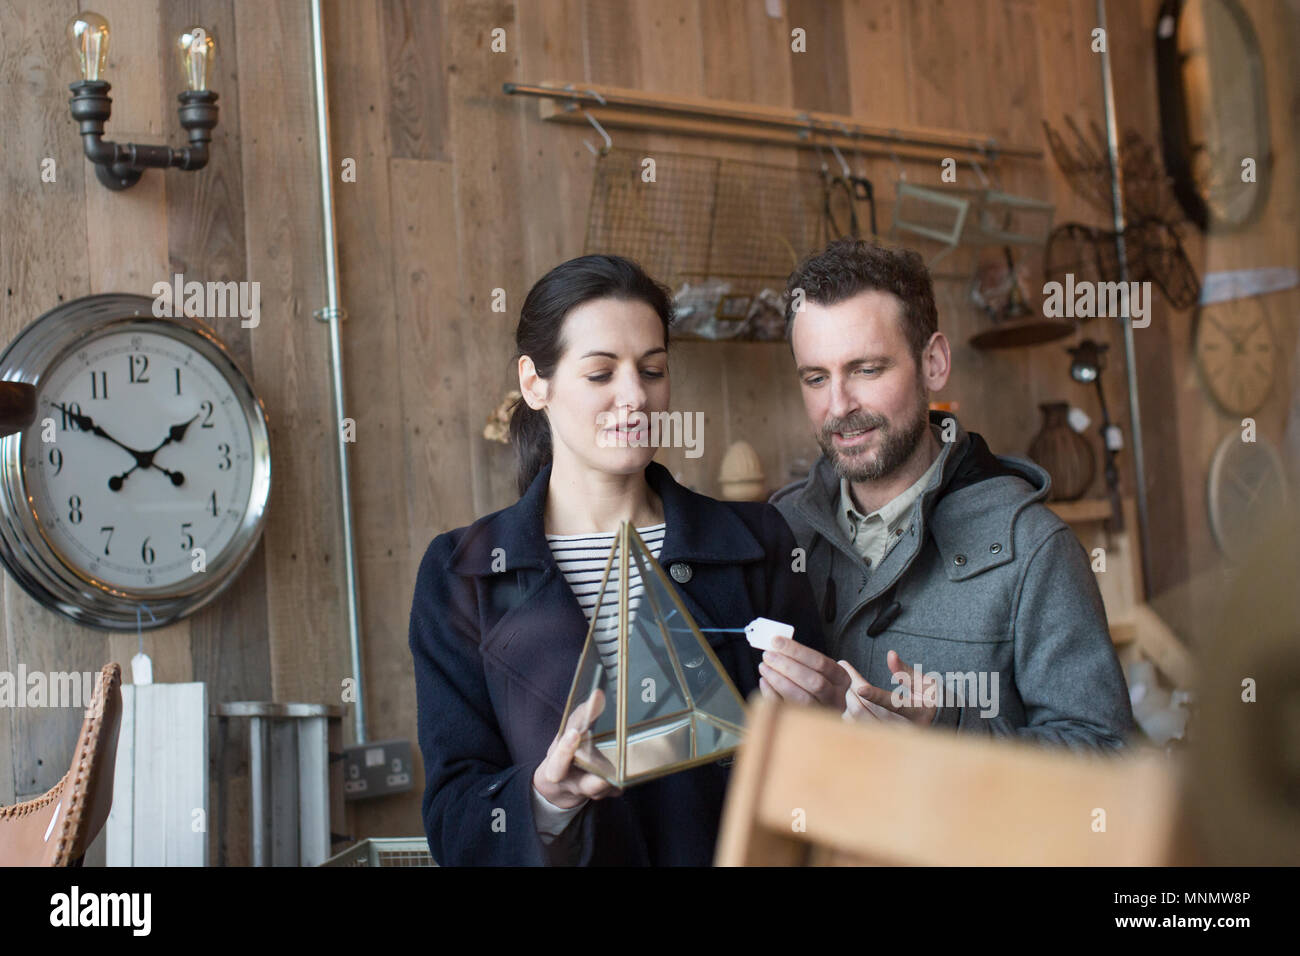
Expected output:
(692, 716)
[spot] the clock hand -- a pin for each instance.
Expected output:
(115, 481)
(175, 433)
(1236, 344)
(87, 424)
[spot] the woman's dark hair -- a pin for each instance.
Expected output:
(541, 321)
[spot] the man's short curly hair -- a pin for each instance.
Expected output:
(849, 266)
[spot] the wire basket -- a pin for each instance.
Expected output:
(385, 851)
(708, 218)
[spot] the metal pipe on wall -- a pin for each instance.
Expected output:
(1130, 357)
(334, 315)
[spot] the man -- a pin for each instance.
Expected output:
(950, 593)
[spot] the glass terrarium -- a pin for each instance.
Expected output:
(664, 702)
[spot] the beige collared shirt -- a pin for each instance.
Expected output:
(873, 535)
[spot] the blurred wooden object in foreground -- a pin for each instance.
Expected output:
(811, 789)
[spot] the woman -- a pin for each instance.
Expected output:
(502, 607)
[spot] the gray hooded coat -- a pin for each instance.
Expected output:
(986, 586)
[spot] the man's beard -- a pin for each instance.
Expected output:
(896, 443)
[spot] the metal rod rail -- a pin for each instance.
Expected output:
(1130, 349)
(616, 106)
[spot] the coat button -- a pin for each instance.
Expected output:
(680, 571)
(995, 547)
(959, 559)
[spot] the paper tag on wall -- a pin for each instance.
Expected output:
(761, 630)
(1078, 419)
(141, 669)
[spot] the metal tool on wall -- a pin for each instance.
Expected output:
(958, 216)
(850, 189)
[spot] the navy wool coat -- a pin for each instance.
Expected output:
(495, 652)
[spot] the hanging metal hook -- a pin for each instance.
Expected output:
(844, 167)
(609, 143)
(902, 173)
(573, 104)
(604, 135)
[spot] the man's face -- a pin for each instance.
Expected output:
(866, 398)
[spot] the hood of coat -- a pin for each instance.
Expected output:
(969, 507)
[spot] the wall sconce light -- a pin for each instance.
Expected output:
(120, 165)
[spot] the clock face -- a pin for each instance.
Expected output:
(1247, 492)
(140, 454)
(1236, 354)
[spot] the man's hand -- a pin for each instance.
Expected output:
(865, 701)
(797, 673)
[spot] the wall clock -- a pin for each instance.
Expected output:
(1247, 493)
(1236, 353)
(145, 476)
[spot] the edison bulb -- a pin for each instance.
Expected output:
(89, 35)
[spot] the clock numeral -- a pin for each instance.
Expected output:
(98, 383)
(206, 407)
(178, 381)
(187, 539)
(74, 509)
(213, 499)
(56, 459)
(146, 552)
(224, 463)
(142, 364)
(68, 410)
(108, 540)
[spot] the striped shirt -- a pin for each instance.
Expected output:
(582, 559)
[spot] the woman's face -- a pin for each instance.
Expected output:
(611, 378)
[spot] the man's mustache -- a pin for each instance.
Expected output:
(853, 423)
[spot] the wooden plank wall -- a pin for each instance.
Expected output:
(252, 214)
(460, 190)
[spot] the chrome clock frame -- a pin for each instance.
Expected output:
(24, 548)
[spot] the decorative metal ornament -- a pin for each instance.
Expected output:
(649, 693)
(144, 478)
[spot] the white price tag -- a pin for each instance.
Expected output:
(141, 669)
(761, 630)
(1114, 438)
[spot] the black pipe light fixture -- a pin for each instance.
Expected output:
(120, 165)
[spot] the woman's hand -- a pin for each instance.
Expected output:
(557, 778)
